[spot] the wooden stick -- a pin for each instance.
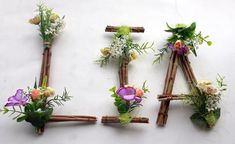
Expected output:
(170, 97)
(133, 29)
(115, 119)
(187, 69)
(45, 71)
(123, 73)
(169, 82)
(65, 118)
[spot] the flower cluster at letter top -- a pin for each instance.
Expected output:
(32, 105)
(122, 47)
(50, 24)
(205, 98)
(183, 40)
(127, 98)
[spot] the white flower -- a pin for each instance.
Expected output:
(117, 46)
(206, 86)
(212, 102)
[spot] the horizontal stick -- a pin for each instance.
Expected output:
(133, 29)
(165, 97)
(65, 118)
(115, 119)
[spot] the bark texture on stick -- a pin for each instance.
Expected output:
(66, 118)
(188, 71)
(133, 29)
(45, 71)
(168, 87)
(115, 119)
(169, 97)
(123, 73)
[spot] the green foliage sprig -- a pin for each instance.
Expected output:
(183, 40)
(50, 23)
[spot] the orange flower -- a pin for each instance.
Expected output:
(178, 44)
(35, 94)
(139, 92)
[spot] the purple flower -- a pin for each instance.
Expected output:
(128, 94)
(171, 46)
(138, 99)
(18, 99)
(181, 50)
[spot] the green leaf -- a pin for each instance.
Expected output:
(5, 110)
(125, 118)
(212, 117)
(44, 82)
(122, 107)
(22, 118)
(194, 51)
(113, 89)
(35, 84)
(39, 118)
(198, 120)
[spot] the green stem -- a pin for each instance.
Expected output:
(16, 111)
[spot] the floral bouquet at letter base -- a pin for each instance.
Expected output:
(204, 98)
(32, 106)
(126, 99)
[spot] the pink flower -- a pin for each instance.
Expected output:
(139, 92)
(178, 44)
(35, 94)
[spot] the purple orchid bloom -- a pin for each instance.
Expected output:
(181, 51)
(18, 99)
(126, 93)
(138, 99)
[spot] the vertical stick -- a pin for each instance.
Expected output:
(45, 71)
(168, 87)
(123, 73)
(188, 72)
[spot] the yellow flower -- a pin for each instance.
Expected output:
(49, 92)
(36, 20)
(133, 55)
(105, 51)
(53, 17)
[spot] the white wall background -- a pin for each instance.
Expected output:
(73, 67)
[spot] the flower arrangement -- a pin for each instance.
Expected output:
(32, 106)
(184, 40)
(205, 99)
(50, 23)
(126, 99)
(122, 48)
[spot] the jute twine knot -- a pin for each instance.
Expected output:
(47, 44)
